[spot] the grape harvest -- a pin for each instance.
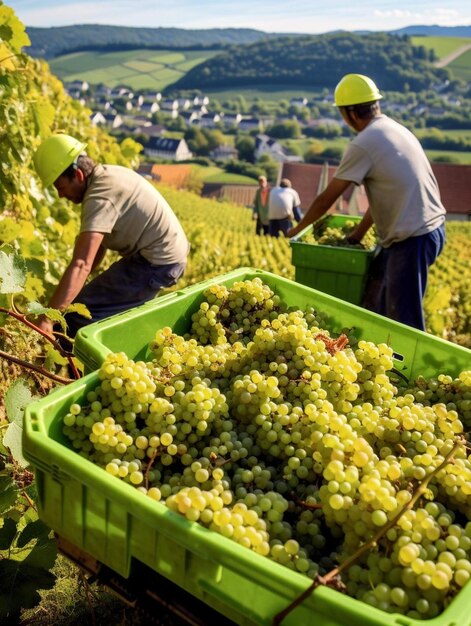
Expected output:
(327, 234)
(300, 446)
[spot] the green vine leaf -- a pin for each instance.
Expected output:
(35, 308)
(36, 529)
(12, 30)
(43, 117)
(8, 493)
(12, 273)
(17, 398)
(44, 553)
(79, 308)
(20, 583)
(7, 533)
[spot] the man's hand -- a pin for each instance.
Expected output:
(45, 324)
(352, 241)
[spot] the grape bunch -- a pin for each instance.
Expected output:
(301, 446)
(324, 233)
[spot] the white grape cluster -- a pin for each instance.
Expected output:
(324, 233)
(263, 427)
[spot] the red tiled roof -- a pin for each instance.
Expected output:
(174, 175)
(238, 194)
(454, 182)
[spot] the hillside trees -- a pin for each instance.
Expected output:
(318, 61)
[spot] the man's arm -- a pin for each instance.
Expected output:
(99, 257)
(361, 229)
(87, 248)
(321, 204)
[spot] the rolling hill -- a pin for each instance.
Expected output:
(48, 43)
(318, 61)
(137, 69)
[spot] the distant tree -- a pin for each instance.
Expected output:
(333, 153)
(197, 141)
(313, 152)
(246, 146)
(270, 167)
(244, 168)
(290, 129)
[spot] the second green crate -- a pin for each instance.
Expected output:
(335, 270)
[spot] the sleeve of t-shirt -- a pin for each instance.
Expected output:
(297, 200)
(98, 216)
(355, 165)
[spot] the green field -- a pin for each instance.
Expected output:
(137, 69)
(214, 174)
(459, 133)
(461, 67)
(461, 158)
(443, 46)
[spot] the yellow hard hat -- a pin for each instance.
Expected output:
(54, 156)
(355, 89)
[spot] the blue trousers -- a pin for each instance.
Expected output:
(398, 278)
(128, 283)
(276, 227)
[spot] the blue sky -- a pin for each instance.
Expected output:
(295, 16)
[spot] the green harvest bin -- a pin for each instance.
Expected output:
(130, 332)
(340, 272)
(114, 523)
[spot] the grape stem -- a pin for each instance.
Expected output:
(328, 578)
(149, 465)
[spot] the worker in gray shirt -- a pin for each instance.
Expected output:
(120, 211)
(404, 202)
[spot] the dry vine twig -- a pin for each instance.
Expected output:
(23, 319)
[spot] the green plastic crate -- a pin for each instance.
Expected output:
(130, 332)
(340, 272)
(115, 524)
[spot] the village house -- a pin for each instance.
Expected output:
(250, 123)
(231, 120)
(167, 148)
(267, 145)
(224, 153)
(148, 108)
(209, 120)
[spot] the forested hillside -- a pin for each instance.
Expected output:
(50, 42)
(319, 60)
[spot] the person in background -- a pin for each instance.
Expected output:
(260, 206)
(283, 206)
(404, 202)
(121, 211)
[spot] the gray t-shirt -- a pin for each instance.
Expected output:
(402, 190)
(133, 216)
(281, 203)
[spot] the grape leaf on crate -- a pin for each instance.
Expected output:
(17, 398)
(12, 272)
